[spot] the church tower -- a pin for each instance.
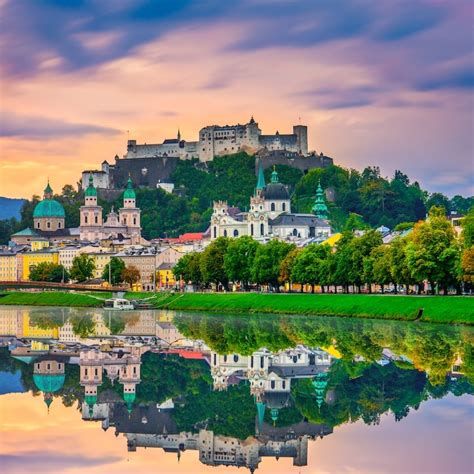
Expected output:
(320, 208)
(91, 214)
(257, 217)
(129, 214)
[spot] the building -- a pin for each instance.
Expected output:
(100, 178)
(67, 254)
(125, 224)
(144, 259)
(165, 275)
(49, 223)
(29, 260)
(10, 269)
(270, 215)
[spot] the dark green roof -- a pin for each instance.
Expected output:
(49, 208)
(26, 232)
(49, 383)
(129, 192)
(48, 189)
(90, 190)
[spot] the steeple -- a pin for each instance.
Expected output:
(320, 383)
(261, 177)
(274, 177)
(320, 208)
(90, 190)
(178, 136)
(48, 191)
(260, 415)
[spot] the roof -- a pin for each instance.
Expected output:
(191, 236)
(166, 266)
(286, 219)
(170, 141)
(49, 208)
(276, 191)
(49, 383)
(26, 232)
(186, 354)
(129, 192)
(91, 191)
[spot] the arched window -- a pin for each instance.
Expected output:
(262, 229)
(215, 231)
(236, 233)
(295, 232)
(236, 358)
(38, 225)
(85, 219)
(134, 221)
(225, 232)
(283, 207)
(225, 358)
(48, 225)
(261, 362)
(59, 224)
(251, 229)
(251, 362)
(272, 384)
(272, 207)
(96, 219)
(283, 385)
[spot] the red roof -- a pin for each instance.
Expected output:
(186, 354)
(191, 236)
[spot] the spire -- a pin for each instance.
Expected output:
(129, 191)
(320, 383)
(274, 177)
(260, 415)
(48, 191)
(91, 191)
(178, 136)
(261, 177)
(320, 208)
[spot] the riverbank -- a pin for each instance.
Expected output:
(438, 309)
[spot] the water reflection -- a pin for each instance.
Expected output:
(234, 389)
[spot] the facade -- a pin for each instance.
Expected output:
(270, 215)
(29, 260)
(10, 269)
(144, 259)
(125, 223)
(100, 178)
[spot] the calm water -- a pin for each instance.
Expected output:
(156, 391)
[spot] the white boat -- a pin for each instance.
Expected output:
(119, 304)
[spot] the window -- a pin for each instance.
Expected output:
(236, 358)
(261, 362)
(215, 231)
(48, 225)
(236, 233)
(272, 207)
(59, 225)
(96, 219)
(85, 219)
(295, 232)
(134, 221)
(262, 229)
(283, 207)
(251, 229)
(225, 232)
(272, 384)
(38, 225)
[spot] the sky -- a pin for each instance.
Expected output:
(378, 82)
(436, 438)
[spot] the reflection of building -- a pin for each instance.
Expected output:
(49, 376)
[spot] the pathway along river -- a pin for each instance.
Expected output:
(157, 391)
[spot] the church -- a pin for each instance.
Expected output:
(270, 215)
(125, 223)
(49, 220)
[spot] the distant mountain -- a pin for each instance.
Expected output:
(10, 207)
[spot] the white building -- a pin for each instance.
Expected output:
(270, 216)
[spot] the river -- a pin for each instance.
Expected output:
(159, 391)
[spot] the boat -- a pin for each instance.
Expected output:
(119, 304)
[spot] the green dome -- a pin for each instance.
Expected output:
(49, 383)
(90, 190)
(49, 208)
(91, 400)
(129, 192)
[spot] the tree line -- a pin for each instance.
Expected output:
(431, 253)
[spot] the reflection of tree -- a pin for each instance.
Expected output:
(431, 348)
(46, 319)
(82, 325)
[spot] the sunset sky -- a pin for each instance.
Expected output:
(386, 83)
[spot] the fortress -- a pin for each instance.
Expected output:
(151, 165)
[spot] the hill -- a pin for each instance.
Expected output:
(10, 207)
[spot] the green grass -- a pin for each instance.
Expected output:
(452, 309)
(439, 309)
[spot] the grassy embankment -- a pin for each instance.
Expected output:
(63, 298)
(440, 309)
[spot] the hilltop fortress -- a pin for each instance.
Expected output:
(151, 165)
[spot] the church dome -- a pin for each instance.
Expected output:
(276, 191)
(49, 208)
(49, 383)
(90, 190)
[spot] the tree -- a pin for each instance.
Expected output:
(239, 258)
(47, 271)
(117, 266)
(287, 265)
(467, 265)
(433, 252)
(267, 262)
(130, 275)
(83, 267)
(399, 270)
(188, 268)
(212, 262)
(467, 225)
(311, 265)
(382, 265)
(438, 200)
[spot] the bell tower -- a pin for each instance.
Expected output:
(91, 225)
(129, 214)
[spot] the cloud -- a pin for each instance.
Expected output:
(456, 78)
(50, 462)
(12, 125)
